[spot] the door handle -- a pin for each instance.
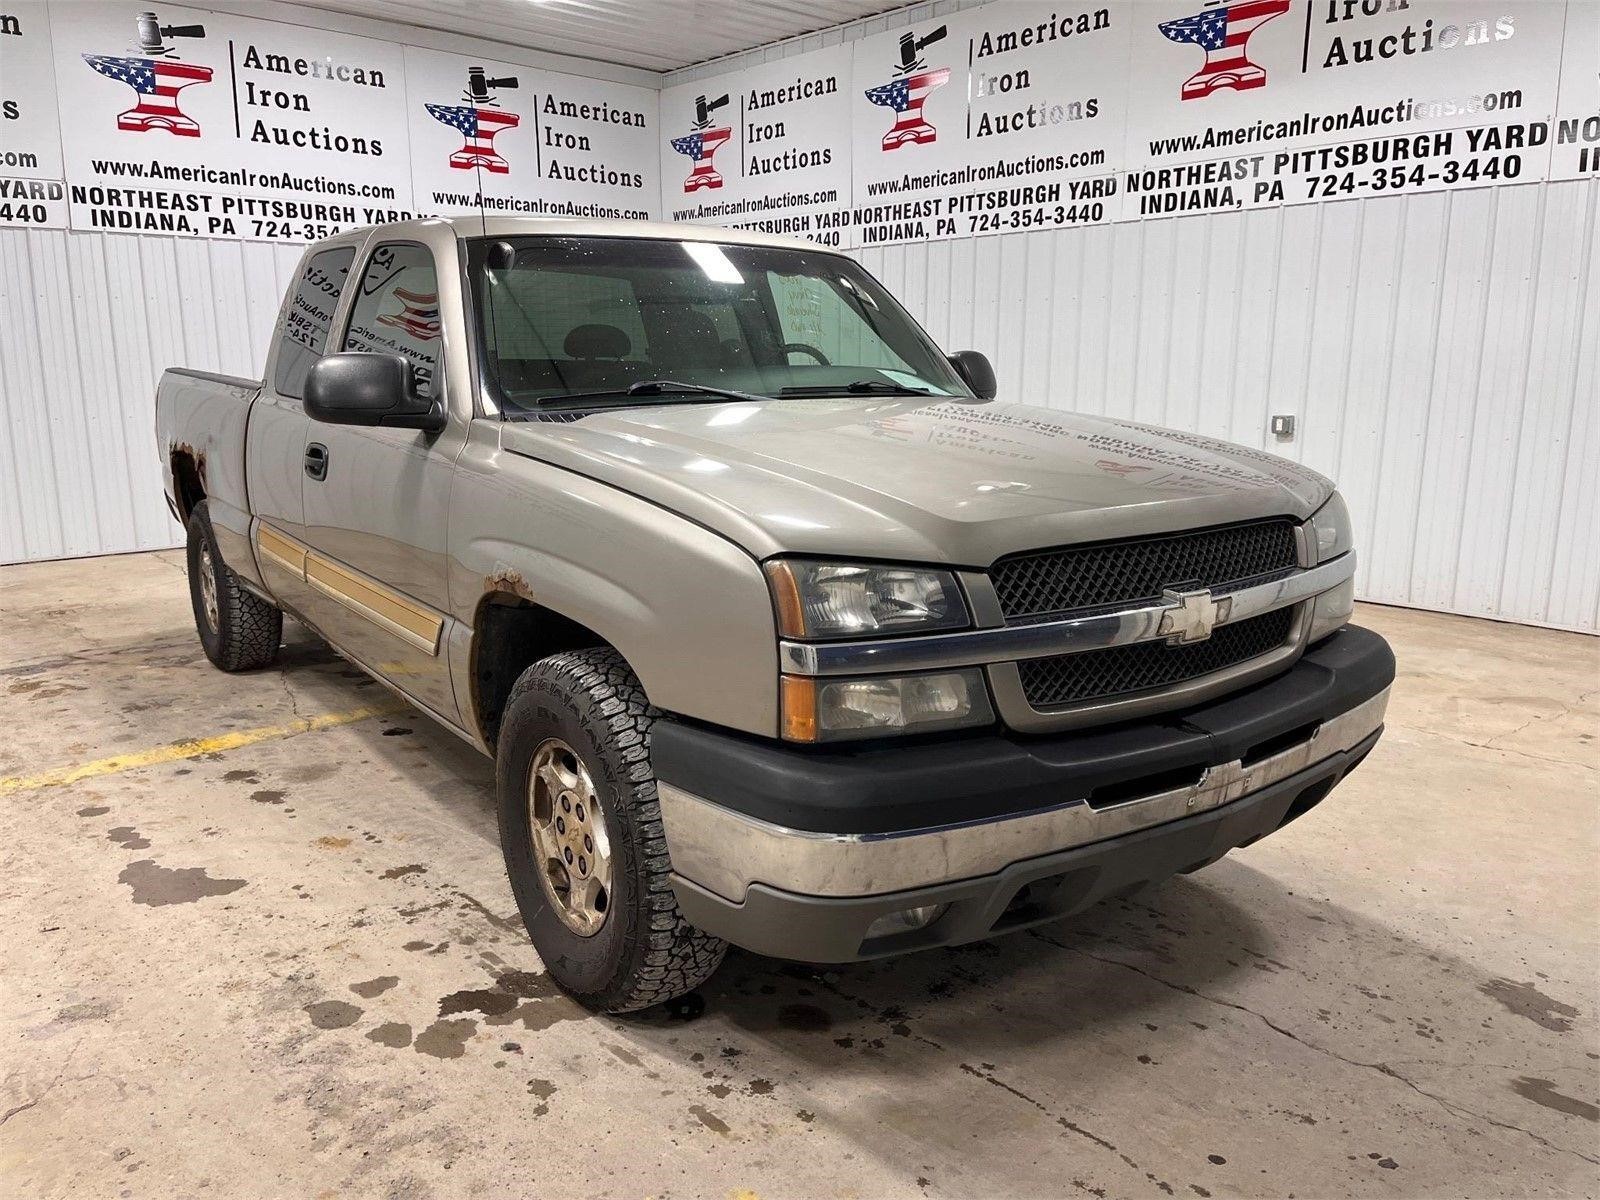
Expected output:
(317, 460)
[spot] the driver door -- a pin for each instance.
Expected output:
(376, 509)
(276, 437)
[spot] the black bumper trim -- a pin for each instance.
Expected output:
(825, 929)
(890, 788)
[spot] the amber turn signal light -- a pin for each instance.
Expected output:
(799, 707)
(786, 596)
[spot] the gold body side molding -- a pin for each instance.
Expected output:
(284, 551)
(413, 623)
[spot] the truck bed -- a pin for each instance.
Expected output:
(200, 435)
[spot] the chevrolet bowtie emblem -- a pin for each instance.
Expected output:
(1193, 616)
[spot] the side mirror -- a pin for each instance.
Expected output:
(502, 256)
(369, 389)
(976, 372)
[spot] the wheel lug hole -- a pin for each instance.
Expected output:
(579, 813)
(566, 803)
(583, 865)
(566, 853)
(561, 824)
(588, 843)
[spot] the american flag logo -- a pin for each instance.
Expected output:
(906, 97)
(1222, 33)
(418, 316)
(478, 126)
(156, 82)
(702, 146)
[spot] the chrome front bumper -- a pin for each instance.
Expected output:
(726, 852)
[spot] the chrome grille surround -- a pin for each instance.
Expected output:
(993, 643)
(1102, 684)
(1003, 648)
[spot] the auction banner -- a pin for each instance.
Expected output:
(202, 124)
(505, 140)
(598, 149)
(1576, 150)
(766, 149)
(32, 194)
(211, 125)
(1024, 115)
(119, 116)
(1001, 118)
(1267, 102)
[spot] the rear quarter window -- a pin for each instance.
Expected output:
(304, 337)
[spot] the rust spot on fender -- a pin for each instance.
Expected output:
(503, 585)
(508, 579)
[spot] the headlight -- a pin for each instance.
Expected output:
(845, 600)
(1331, 534)
(825, 710)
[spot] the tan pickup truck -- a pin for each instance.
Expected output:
(781, 629)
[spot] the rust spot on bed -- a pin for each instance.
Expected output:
(198, 457)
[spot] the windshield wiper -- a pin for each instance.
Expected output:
(656, 387)
(859, 387)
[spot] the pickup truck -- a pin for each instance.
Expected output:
(780, 628)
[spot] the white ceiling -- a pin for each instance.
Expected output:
(657, 35)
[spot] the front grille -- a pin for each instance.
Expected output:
(1120, 670)
(1044, 583)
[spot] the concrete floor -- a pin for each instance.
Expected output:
(290, 965)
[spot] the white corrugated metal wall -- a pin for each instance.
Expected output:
(1441, 354)
(88, 321)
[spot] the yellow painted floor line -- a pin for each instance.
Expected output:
(194, 748)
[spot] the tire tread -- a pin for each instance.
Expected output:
(671, 956)
(250, 628)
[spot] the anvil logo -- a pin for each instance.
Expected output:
(907, 94)
(1222, 33)
(156, 77)
(702, 143)
(478, 121)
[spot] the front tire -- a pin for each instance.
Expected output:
(581, 830)
(239, 630)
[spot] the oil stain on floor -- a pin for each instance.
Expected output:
(156, 885)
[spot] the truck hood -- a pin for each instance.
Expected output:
(918, 480)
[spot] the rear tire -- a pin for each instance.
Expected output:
(239, 630)
(575, 739)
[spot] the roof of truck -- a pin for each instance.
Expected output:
(474, 226)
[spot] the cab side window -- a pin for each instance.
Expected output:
(396, 310)
(304, 337)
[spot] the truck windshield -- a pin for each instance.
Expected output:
(595, 321)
